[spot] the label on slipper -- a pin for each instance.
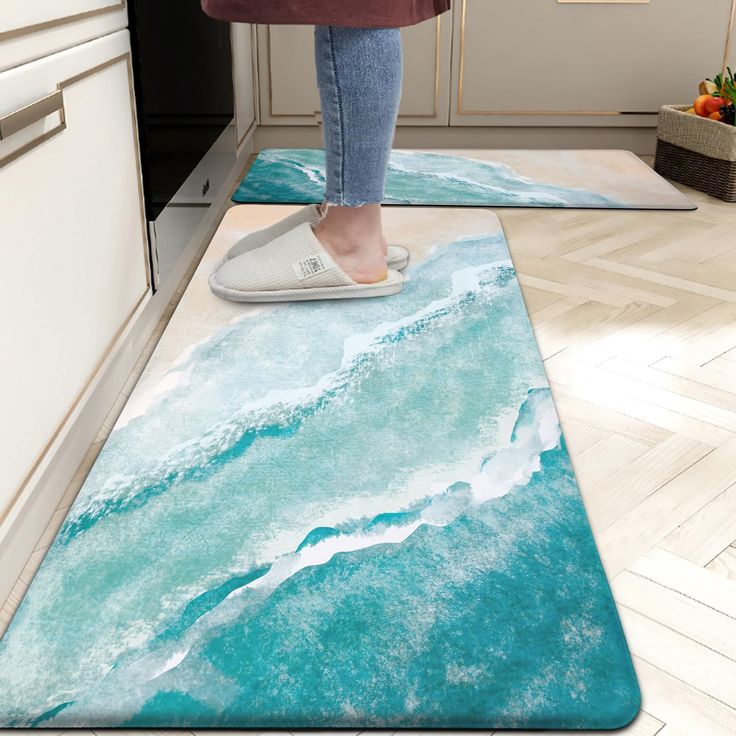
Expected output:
(309, 267)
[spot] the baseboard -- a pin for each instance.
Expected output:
(30, 515)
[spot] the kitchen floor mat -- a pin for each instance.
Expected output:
(356, 514)
(592, 179)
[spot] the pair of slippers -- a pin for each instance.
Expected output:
(286, 262)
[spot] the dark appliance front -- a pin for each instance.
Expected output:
(182, 64)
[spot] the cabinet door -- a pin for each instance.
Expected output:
(546, 62)
(288, 81)
(72, 240)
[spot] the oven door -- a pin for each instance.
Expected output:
(182, 64)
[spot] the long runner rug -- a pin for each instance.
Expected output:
(341, 514)
(590, 179)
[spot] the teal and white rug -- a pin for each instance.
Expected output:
(342, 514)
(594, 179)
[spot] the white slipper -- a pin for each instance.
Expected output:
(397, 259)
(293, 267)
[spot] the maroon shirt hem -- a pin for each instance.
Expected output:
(351, 13)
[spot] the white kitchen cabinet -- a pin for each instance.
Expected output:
(544, 62)
(288, 82)
(518, 63)
(75, 261)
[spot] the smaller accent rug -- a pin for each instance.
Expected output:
(588, 179)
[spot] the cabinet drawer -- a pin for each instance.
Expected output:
(21, 17)
(72, 239)
(32, 30)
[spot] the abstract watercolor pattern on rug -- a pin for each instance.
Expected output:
(593, 179)
(356, 514)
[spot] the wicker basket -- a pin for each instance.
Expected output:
(697, 151)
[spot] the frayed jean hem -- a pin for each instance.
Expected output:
(337, 201)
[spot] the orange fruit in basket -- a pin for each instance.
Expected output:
(715, 115)
(714, 104)
(707, 104)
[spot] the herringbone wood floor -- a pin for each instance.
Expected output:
(635, 315)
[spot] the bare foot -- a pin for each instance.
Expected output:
(353, 236)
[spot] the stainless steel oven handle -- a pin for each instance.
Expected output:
(19, 119)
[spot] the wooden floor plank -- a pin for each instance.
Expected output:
(656, 406)
(694, 390)
(549, 313)
(725, 564)
(723, 364)
(691, 271)
(596, 464)
(643, 725)
(580, 436)
(670, 323)
(574, 291)
(681, 706)
(668, 507)
(644, 274)
(640, 239)
(693, 248)
(703, 669)
(627, 485)
(572, 407)
(676, 573)
(596, 275)
(708, 532)
(587, 322)
(703, 330)
(638, 382)
(536, 299)
(707, 374)
(676, 611)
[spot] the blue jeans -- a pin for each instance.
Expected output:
(359, 74)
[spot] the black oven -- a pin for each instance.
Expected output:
(182, 65)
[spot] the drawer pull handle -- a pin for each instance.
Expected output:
(16, 121)
(19, 119)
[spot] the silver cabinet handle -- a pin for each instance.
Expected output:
(19, 119)
(25, 116)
